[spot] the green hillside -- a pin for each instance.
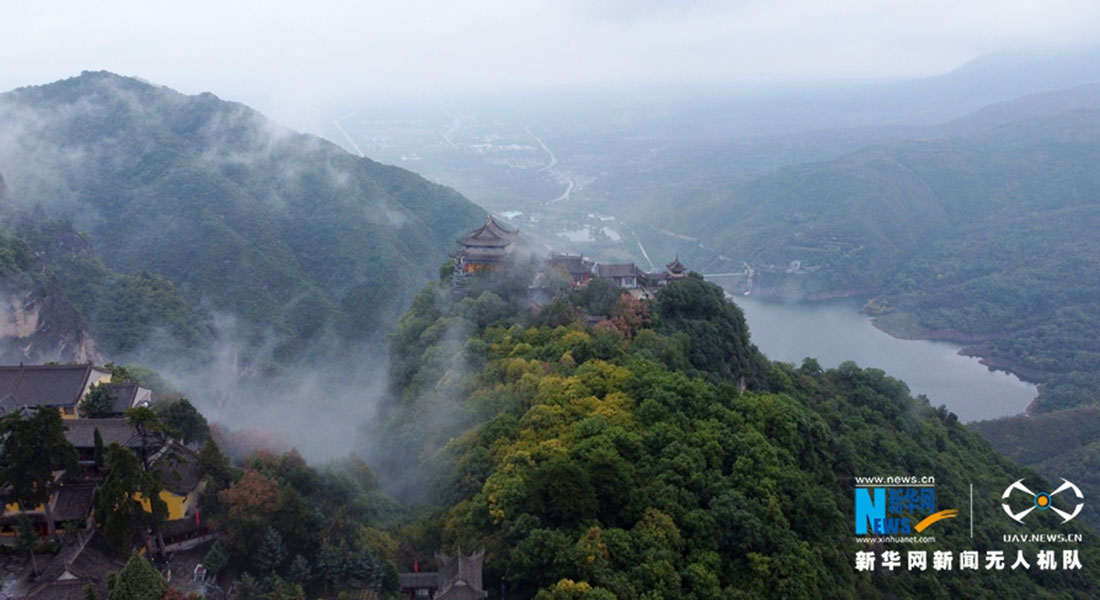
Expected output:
(65, 305)
(637, 458)
(286, 233)
(987, 239)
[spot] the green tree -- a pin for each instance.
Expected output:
(32, 449)
(217, 558)
(333, 563)
(213, 464)
(26, 538)
(153, 434)
(599, 297)
(138, 580)
(718, 338)
(272, 552)
(246, 587)
(299, 571)
(143, 376)
(116, 508)
(98, 403)
(90, 593)
(98, 452)
(182, 416)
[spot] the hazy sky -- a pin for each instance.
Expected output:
(282, 56)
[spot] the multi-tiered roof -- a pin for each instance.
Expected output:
(488, 245)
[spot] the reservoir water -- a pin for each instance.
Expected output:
(833, 332)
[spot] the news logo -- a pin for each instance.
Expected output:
(896, 505)
(1041, 501)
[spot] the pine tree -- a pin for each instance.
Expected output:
(246, 587)
(272, 552)
(212, 463)
(138, 580)
(360, 569)
(98, 440)
(299, 572)
(216, 559)
(333, 564)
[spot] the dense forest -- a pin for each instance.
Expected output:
(657, 454)
(597, 447)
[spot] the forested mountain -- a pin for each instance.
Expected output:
(647, 457)
(986, 239)
(211, 212)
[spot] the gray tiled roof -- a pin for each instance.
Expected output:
(81, 432)
(622, 270)
(489, 234)
(42, 385)
(124, 393)
(572, 263)
(179, 470)
(74, 501)
(89, 563)
(426, 579)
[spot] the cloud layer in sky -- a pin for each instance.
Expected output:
(276, 54)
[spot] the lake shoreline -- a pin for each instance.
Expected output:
(956, 337)
(837, 329)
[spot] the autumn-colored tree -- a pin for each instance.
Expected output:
(250, 503)
(253, 495)
(630, 315)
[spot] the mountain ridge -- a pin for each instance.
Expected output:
(298, 240)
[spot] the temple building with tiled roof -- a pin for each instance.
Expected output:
(575, 265)
(623, 275)
(485, 247)
(457, 577)
(60, 387)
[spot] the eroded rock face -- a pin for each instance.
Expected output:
(41, 326)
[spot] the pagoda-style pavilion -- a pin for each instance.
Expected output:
(485, 247)
(676, 269)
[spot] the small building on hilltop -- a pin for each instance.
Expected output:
(457, 577)
(486, 247)
(623, 275)
(676, 269)
(579, 269)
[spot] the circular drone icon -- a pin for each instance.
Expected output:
(1043, 501)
